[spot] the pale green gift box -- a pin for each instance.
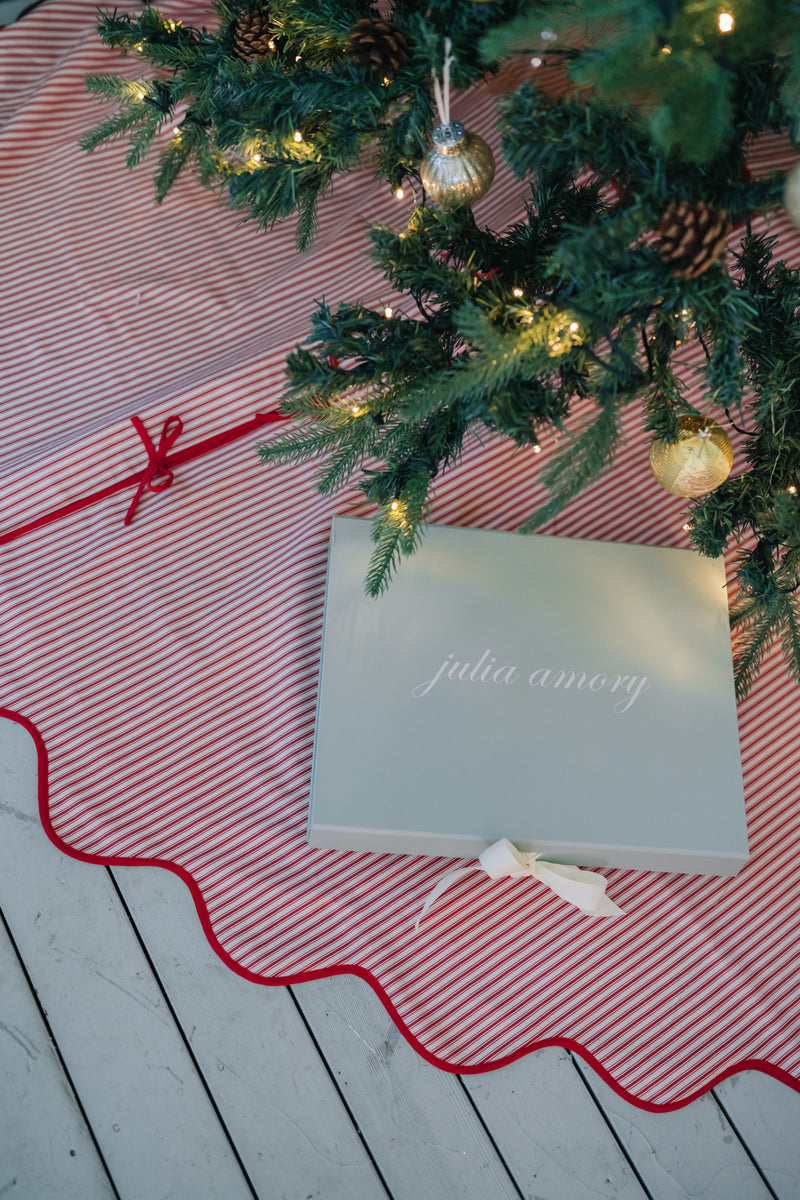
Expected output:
(575, 697)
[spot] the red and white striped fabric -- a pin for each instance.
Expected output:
(168, 669)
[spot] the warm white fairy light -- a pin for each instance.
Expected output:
(139, 47)
(395, 507)
(387, 312)
(537, 449)
(725, 22)
(140, 95)
(177, 131)
(270, 44)
(536, 62)
(399, 193)
(687, 528)
(517, 292)
(298, 137)
(574, 326)
(792, 490)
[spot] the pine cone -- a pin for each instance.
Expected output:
(251, 34)
(691, 237)
(378, 45)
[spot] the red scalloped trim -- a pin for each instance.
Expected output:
(565, 1043)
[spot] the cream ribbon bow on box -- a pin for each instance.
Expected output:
(583, 889)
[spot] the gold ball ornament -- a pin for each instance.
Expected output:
(459, 168)
(791, 194)
(698, 462)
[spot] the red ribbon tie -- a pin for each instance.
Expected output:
(156, 477)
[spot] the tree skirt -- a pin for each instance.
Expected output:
(167, 668)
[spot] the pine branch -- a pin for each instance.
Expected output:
(363, 442)
(765, 624)
(582, 460)
(397, 532)
(142, 140)
(307, 222)
(114, 127)
(171, 161)
(790, 639)
(299, 445)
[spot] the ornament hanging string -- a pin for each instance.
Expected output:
(441, 90)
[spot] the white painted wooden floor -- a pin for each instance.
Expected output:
(134, 1064)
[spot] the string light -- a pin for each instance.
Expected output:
(256, 159)
(177, 131)
(399, 193)
(387, 312)
(666, 49)
(574, 326)
(536, 62)
(139, 47)
(792, 490)
(397, 511)
(687, 528)
(298, 137)
(537, 449)
(725, 22)
(270, 44)
(517, 292)
(140, 95)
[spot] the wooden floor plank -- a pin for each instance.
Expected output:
(550, 1132)
(157, 1130)
(423, 1133)
(766, 1114)
(291, 1129)
(46, 1150)
(690, 1154)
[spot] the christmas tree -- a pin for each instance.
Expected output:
(634, 146)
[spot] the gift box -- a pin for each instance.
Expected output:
(575, 697)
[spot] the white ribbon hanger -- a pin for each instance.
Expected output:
(583, 889)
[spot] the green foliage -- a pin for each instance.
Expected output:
(690, 86)
(757, 624)
(504, 332)
(245, 115)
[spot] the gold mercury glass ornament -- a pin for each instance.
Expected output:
(459, 169)
(698, 462)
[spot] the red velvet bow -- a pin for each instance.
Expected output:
(156, 476)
